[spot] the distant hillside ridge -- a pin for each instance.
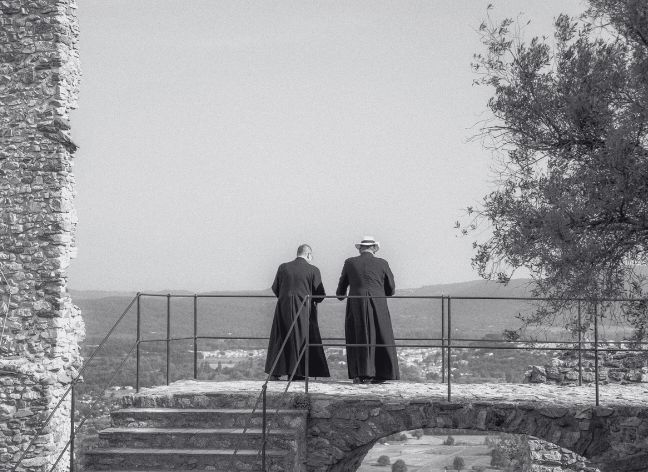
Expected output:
(253, 316)
(478, 288)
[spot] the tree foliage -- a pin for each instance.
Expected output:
(569, 125)
(510, 452)
(384, 460)
(399, 466)
(459, 463)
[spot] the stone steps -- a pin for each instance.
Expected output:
(230, 460)
(206, 418)
(201, 432)
(187, 438)
(235, 400)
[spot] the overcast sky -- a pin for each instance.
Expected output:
(216, 136)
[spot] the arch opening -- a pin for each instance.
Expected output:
(449, 450)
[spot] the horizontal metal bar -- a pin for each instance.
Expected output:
(181, 295)
(522, 341)
(261, 338)
(165, 339)
(333, 338)
(464, 346)
(422, 297)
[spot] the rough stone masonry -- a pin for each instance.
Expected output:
(39, 352)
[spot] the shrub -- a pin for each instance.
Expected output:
(449, 441)
(459, 463)
(396, 437)
(417, 433)
(399, 466)
(498, 459)
(384, 460)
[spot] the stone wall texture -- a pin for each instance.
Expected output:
(341, 431)
(39, 352)
(547, 457)
(616, 365)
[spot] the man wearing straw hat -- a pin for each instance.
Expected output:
(367, 319)
(295, 280)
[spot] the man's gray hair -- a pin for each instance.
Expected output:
(304, 249)
(372, 249)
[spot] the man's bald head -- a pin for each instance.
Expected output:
(304, 250)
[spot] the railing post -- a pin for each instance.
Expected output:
(168, 338)
(580, 350)
(195, 335)
(263, 428)
(72, 432)
(449, 349)
(309, 301)
(137, 346)
(596, 354)
(443, 351)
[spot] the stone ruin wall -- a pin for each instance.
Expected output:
(39, 352)
(620, 367)
(547, 457)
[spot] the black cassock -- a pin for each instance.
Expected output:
(367, 320)
(293, 282)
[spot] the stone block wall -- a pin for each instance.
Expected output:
(39, 351)
(547, 457)
(614, 367)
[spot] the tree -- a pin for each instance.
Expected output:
(570, 125)
(399, 466)
(383, 460)
(459, 463)
(511, 451)
(498, 458)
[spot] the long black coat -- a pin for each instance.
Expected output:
(367, 320)
(293, 282)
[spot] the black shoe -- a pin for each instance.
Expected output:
(299, 377)
(362, 380)
(378, 381)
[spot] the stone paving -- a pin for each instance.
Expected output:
(568, 396)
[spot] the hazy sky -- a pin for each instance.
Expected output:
(216, 136)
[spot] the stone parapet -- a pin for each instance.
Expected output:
(616, 365)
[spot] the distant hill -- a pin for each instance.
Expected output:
(241, 317)
(94, 294)
(477, 288)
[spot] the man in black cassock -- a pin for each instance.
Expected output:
(367, 320)
(294, 281)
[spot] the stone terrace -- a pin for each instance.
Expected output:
(345, 420)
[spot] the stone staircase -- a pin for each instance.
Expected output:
(215, 432)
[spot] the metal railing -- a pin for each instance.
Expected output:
(70, 393)
(445, 342)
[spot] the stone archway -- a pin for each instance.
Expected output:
(342, 430)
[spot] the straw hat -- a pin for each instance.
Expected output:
(368, 241)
